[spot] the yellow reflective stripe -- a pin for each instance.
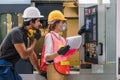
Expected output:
(64, 63)
(60, 46)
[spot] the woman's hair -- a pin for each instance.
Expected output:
(51, 27)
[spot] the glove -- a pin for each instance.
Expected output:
(63, 50)
(37, 34)
(50, 61)
(82, 30)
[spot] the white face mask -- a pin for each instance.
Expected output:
(63, 27)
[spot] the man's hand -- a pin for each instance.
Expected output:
(63, 50)
(35, 61)
(37, 34)
(38, 70)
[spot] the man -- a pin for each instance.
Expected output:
(15, 45)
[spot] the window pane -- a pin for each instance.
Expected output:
(9, 22)
(20, 19)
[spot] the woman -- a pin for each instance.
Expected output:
(55, 49)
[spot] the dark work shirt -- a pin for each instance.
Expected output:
(7, 49)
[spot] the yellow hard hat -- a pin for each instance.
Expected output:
(55, 15)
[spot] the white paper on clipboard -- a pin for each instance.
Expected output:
(74, 42)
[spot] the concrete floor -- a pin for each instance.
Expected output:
(85, 74)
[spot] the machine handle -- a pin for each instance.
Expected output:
(101, 48)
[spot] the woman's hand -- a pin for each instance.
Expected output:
(63, 50)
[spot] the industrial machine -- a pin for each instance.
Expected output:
(94, 36)
(91, 38)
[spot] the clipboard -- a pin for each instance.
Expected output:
(74, 42)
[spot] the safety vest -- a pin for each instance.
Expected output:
(61, 62)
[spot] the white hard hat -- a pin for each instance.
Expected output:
(32, 12)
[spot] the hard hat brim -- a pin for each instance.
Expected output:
(41, 16)
(54, 21)
(64, 19)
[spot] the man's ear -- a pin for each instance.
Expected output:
(31, 22)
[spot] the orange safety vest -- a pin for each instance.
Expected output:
(61, 63)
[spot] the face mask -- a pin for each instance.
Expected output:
(63, 27)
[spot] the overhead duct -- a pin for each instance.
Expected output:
(94, 1)
(13, 6)
(54, 0)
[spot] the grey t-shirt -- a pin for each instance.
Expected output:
(7, 49)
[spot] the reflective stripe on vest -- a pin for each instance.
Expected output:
(65, 63)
